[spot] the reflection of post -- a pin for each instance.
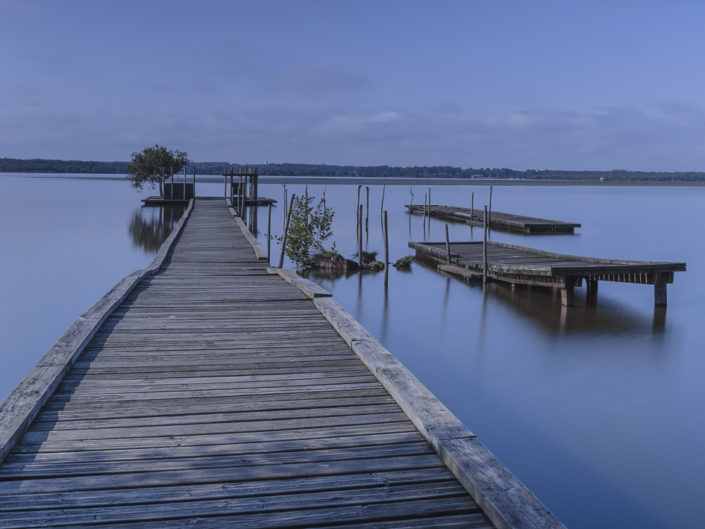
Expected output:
(484, 248)
(568, 292)
(286, 229)
(659, 322)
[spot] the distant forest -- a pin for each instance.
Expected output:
(14, 165)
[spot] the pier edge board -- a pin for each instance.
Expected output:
(260, 252)
(505, 499)
(21, 406)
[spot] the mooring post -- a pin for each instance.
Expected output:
(269, 232)
(386, 251)
(194, 182)
(367, 211)
(239, 196)
(386, 241)
(381, 206)
(225, 184)
(184, 197)
(484, 245)
(447, 246)
(359, 239)
(286, 230)
(285, 205)
(489, 221)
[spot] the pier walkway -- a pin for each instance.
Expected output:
(213, 393)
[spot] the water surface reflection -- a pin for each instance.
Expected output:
(150, 226)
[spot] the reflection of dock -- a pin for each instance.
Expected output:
(211, 390)
(498, 220)
(528, 266)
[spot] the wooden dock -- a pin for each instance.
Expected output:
(210, 390)
(519, 265)
(497, 220)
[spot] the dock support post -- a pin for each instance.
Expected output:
(194, 183)
(286, 229)
(225, 184)
(660, 297)
(568, 293)
(447, 246)
(591, 298)
(472, 207)
(484, 247)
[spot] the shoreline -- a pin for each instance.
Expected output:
(351, 180)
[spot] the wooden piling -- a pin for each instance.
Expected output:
(269, 233)
(591, 298)
(472, 206)
(286, 230)
(660, 295)
(359, 236)
(447, 246)
(484, 247)
(240, 198)
(386, 241)
(386, 250)
(285, 204)
(367, 210)
(381, 206)
(489, 217)
(194, 182)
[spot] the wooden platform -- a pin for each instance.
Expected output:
(498, 220)
(220, 393)
(529, 266)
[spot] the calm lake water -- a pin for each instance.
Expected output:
(599, 410)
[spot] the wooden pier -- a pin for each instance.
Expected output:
(519, 265)
(210, 390)
(497, 220)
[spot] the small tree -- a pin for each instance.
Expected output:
(309, 228)
(154, 165)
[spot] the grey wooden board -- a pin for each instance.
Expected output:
(216, 394)
(520, 261)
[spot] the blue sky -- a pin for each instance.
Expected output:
(525, 85)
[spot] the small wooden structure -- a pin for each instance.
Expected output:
(528, 266)
(175, 193)
(497, 220)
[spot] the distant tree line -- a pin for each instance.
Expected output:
(14, 165)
